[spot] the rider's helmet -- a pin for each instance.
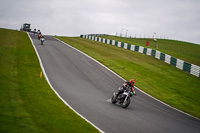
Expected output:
(132, 81)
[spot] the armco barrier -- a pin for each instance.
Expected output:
(185, 66)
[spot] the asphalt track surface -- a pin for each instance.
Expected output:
(87, 87)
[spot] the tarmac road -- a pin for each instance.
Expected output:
(87, 87)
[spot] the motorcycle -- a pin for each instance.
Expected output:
(42, 41)
(123, 99)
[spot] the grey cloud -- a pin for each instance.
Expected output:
(177, 19)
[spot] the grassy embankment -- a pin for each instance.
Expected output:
(188, 52)
(159, 79)
(27, 102)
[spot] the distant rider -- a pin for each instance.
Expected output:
(42, 39)
(39, 36)
(127, 85)
(34, 31)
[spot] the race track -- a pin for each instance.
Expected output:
(87, 87)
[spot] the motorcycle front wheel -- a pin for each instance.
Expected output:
(126, 103)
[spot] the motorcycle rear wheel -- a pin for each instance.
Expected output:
(113, 99)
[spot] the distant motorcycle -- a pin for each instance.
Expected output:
(123, 99)
(42, 41)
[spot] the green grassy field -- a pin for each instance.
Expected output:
(28, 105)
(159, 79)
(182, 50)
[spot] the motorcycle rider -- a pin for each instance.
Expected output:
(127, 85)
(42, 39)
(39, 36)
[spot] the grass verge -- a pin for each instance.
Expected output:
(27, 102)
(188, 52)
(161, 80)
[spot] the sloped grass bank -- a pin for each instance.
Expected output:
(161, 80)
(186, 51)
(27, 102)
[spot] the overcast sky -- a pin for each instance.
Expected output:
(173, 19)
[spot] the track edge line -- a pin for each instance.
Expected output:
(125, 80)
(44, 72)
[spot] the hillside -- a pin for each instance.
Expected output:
(161, 80)
(188, 52)
(28, 104)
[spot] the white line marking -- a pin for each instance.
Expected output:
(43, 70)
(109, 100)
(125, 81)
